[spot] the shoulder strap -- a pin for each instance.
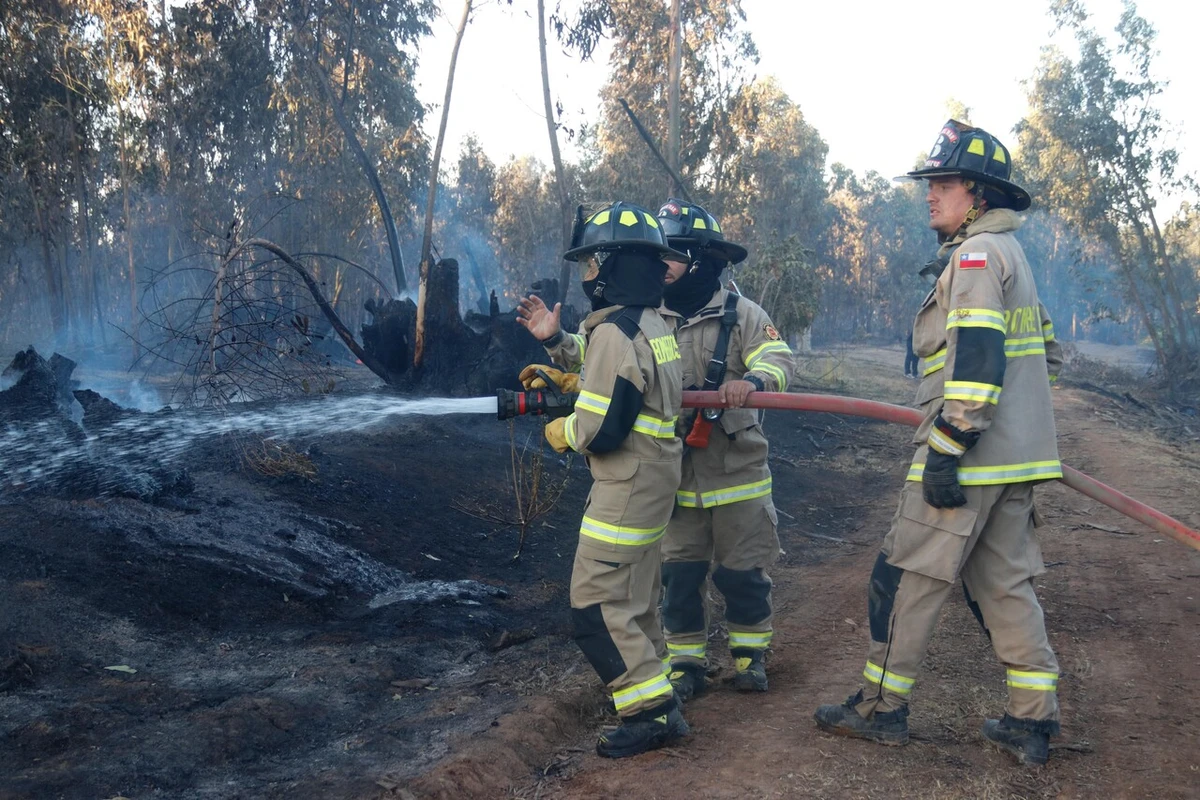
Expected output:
(716, 366)
(628, 319)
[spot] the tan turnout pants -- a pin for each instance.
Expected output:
(992, 545)
(614, 607)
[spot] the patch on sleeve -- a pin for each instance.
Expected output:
(770, 332)
(972, 261)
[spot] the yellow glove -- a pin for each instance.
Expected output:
(556, 434)
(566, 381)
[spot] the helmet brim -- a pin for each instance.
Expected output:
(733, 253)
(1019, 198)
(660, 250)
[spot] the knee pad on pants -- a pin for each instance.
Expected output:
(683, 599)
(593, 638)
(881, 596)
(747, 594)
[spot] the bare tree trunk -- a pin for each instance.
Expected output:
(133, 299)
(368, 167)
(431, 197)
(53, 289)
(560, 181)
(673, 69)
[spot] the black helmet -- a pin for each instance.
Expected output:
(688, 225)
(618, 226)
(975, 154)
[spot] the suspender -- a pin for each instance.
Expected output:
(716, 366)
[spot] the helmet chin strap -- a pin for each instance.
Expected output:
(976, 190)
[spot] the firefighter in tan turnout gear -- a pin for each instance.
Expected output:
(724, 518)
(967, 511)
(624, 422)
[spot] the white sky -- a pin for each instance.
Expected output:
(873, 77)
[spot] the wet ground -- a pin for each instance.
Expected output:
(343, 618)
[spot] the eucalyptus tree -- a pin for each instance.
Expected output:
(1096, 147)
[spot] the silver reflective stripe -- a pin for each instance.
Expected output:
(1037, 681)
(756, 641)
(646, 690)
(888, 680)
(693, 650)
(1002, 473)
(616, 534)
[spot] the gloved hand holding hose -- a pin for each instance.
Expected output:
(534, 377)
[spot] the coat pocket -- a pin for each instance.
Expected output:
(927, 540)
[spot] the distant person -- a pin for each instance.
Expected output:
(910, 359)
(988, 436)
(629, 383)
(724, 519)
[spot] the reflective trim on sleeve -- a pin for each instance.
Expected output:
(888, 680)
(569, 432)
(1037, 681)
(755, 362)
(767, 347)
(970, 390)
(934, 362)
(944, 444)
(688, 650)
(750, 641)
(581, 343)
(619, 534)
(595, 403)
(1002, 473)
(976, 318)
(687, 499)
(646, 690)
(652, 426)
(1028, 346)
(1048, 331)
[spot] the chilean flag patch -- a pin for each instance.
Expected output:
(972, 261)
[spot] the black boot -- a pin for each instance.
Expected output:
(644, 731)
(687, 679)
(750, 673)
(1027, 739)
(889, 727)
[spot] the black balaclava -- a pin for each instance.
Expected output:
(696, 286)
(629, 278)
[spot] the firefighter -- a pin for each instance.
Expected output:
(629, 387)
(724, 518)
(967, 510)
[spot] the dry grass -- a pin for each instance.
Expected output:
(275, 459)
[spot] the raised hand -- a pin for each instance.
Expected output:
(539, 320)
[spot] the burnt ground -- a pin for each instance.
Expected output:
(366, 633)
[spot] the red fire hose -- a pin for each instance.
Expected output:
(887, 412)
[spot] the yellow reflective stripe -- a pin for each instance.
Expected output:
(1037, 681)
(754, 362)
(1048, 331)
(581, 342)
(1053, 378)
(1028, 346)
(595, 403)
(569, 431)
(976, 318)
(888, 680)
(771, 346)
(935, 362)
(754, 641)
(619, 534)
(970, 390)
(1003, 473)
(652, 426)
(691, 650)
(646, 690)
(687, 499)
(734, 494)
(944, 444)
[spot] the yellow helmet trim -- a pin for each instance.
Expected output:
(976, 147)
(628, 218)
(699, 223)
(651, 221)
(998, 155)
(599, 218)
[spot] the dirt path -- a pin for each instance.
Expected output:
(295, 639)
(1122, 614)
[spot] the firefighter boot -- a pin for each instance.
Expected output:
(644, 731)
(687, 679)
(889, 727)
(1027, 740)
(750, 673)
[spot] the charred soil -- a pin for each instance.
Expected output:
(360, 628)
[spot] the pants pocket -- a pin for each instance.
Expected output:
(595, 581)
(927, 540)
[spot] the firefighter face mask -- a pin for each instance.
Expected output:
(627, 278)
(692, 291)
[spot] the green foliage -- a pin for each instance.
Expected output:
(782, 279)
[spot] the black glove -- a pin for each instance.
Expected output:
(939, 483)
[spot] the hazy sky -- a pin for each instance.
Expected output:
(873, 77)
